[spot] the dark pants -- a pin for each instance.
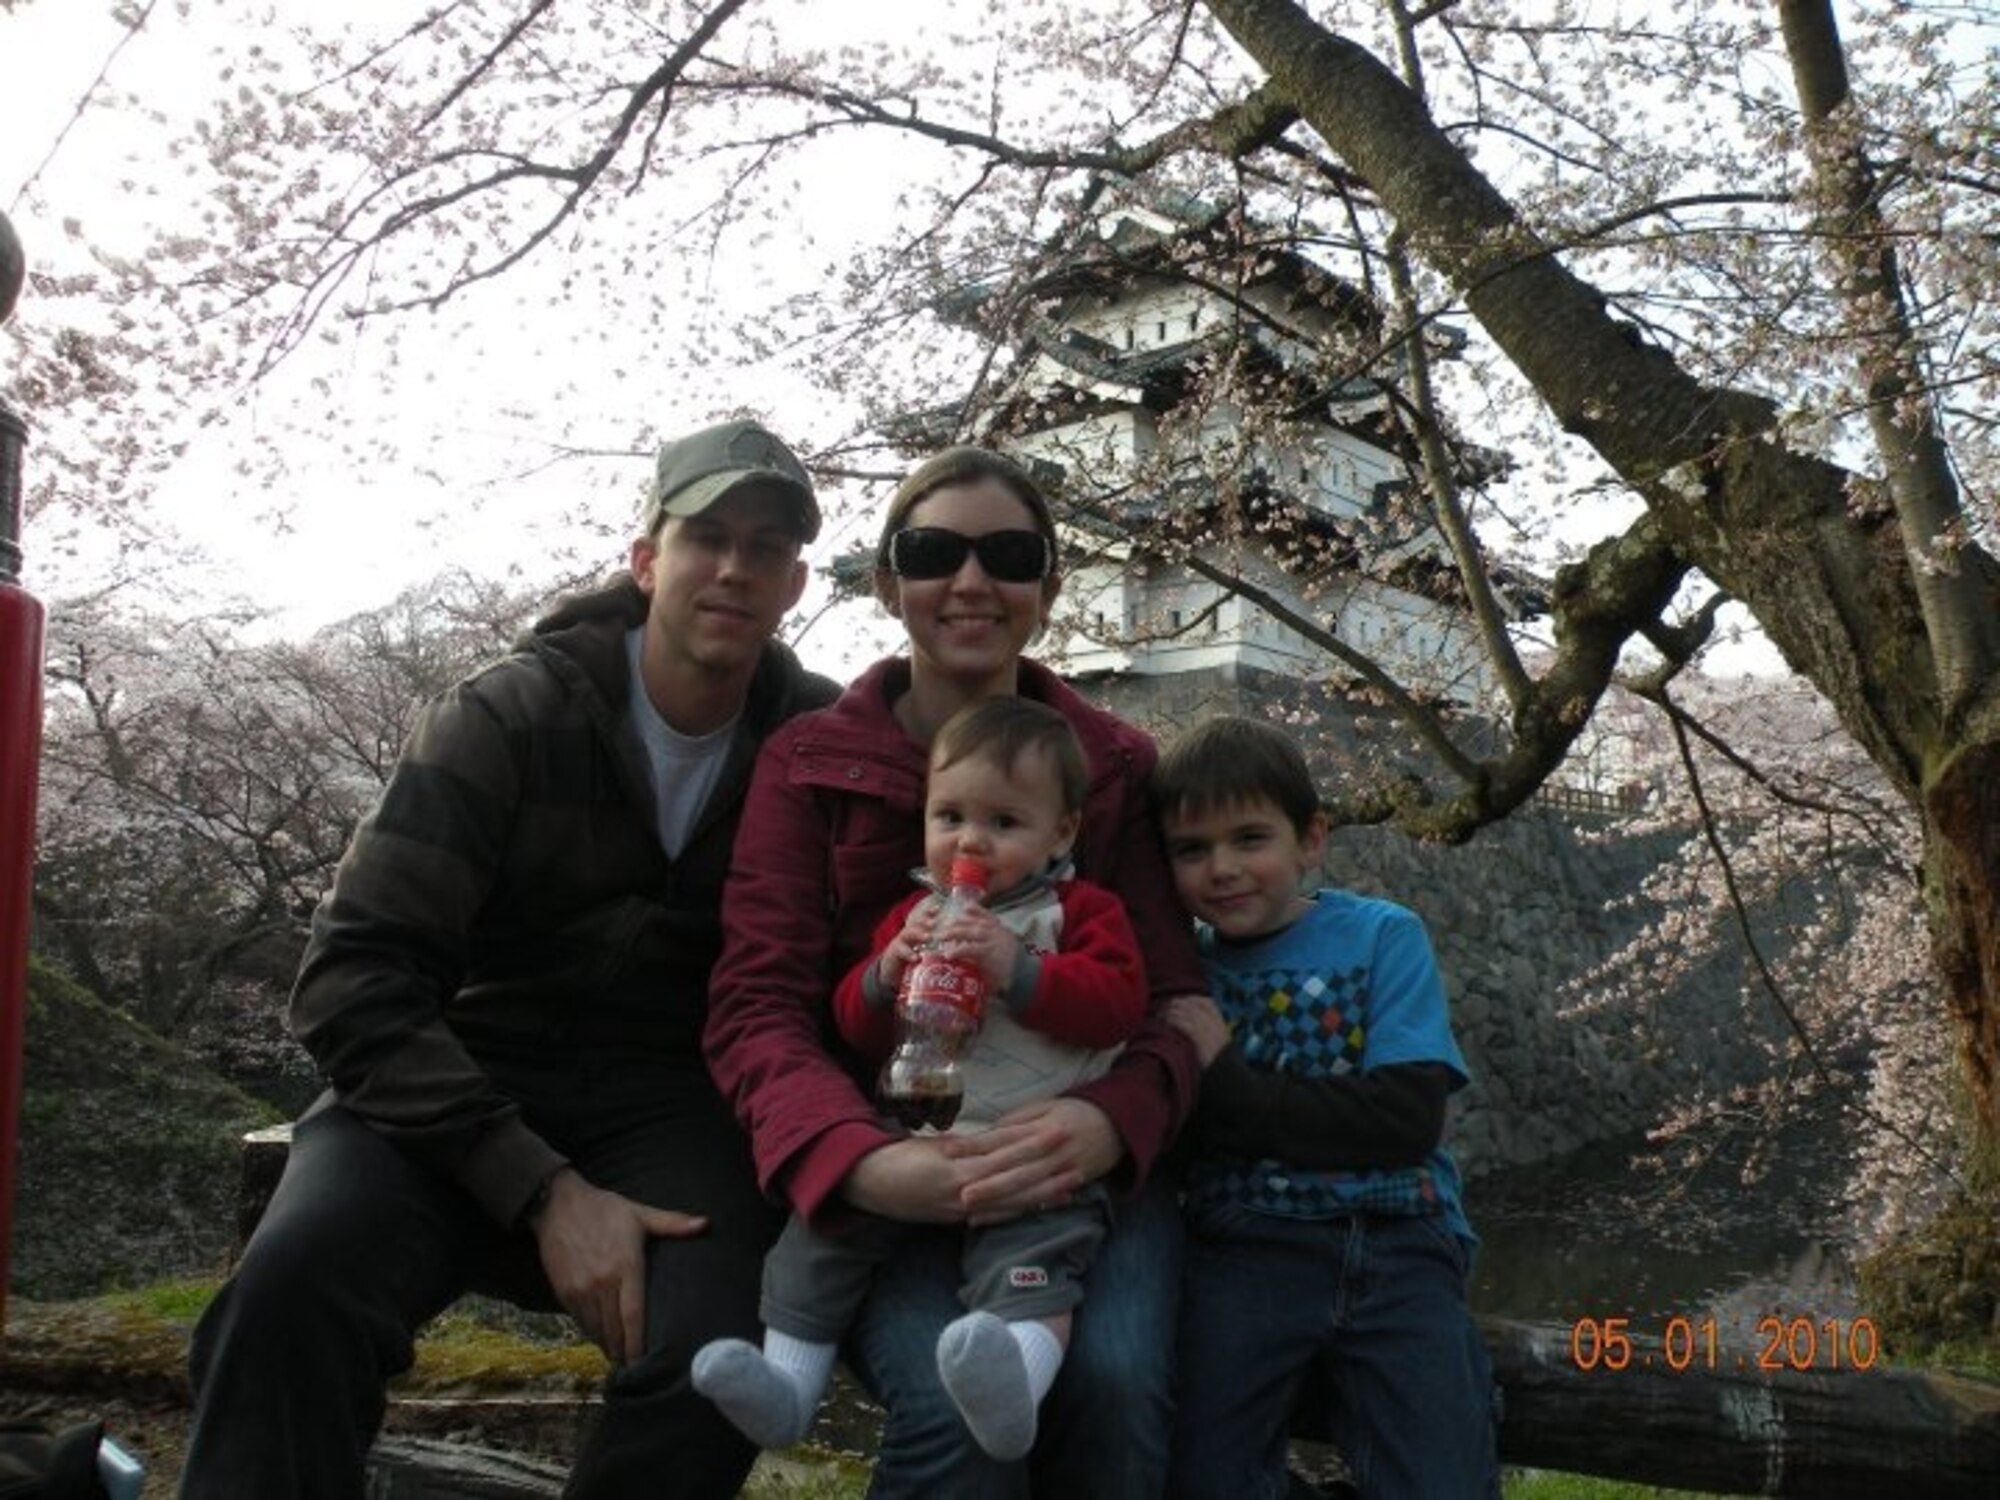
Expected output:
(362, 1245)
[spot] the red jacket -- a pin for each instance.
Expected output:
(1089, 993)
(831, 829)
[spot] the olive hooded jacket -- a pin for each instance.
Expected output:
(507, 907)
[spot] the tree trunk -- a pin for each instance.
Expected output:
(1962, 889)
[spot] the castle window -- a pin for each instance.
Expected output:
(1194, 320)
(1128, 335)
(1161, 326)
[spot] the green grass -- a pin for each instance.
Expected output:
(459, 1356)
(807, 1474)
(168, 1301)
(1977, 1357)
(1540, 1484)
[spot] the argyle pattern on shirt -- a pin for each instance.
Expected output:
(1313, 1018)
(1304, 1021)
(1310, 1022)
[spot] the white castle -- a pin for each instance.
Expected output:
(1113, 382)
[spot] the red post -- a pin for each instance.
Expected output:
(20, 757)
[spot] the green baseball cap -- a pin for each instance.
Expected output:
(695, 471)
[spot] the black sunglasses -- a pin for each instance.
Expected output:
(923, 552)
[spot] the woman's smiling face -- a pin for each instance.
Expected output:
(969, 627)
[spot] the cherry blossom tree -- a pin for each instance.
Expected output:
(1794, 861)
(199, 788)
(1728, 267)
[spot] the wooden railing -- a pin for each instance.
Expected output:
(1622, 803)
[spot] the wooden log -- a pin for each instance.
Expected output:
(552, 1427)
(1733, 1429)
(1739, 1430)
(260, 1162)
(411, 1468)
(1832, 1434)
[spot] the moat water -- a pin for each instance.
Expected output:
(1627, 1229)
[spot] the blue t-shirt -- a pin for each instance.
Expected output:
(1351, 985)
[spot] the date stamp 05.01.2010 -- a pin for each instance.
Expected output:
(1680, 1344)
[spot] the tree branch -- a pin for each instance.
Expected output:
(1957, 601)
(1770, 525)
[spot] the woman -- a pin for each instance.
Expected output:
(830, 833)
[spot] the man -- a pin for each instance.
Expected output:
(505, 988)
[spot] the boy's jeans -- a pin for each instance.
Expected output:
(1383, 1301)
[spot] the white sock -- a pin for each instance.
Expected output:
(1042, 1352)
(810, 1365)
(996, 1374)
(773, 1394)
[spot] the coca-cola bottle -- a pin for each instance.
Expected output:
(938, 1007)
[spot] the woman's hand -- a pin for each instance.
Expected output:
(1034, 1158)
(1196, 1018)
(914, 1181)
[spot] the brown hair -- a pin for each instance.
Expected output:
(1001, 730)
(967, 465)
(1225, 761)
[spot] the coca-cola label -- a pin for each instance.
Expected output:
(935, 979)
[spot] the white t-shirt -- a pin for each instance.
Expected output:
(685, 768)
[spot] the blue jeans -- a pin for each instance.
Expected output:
(1104, 1425)
(1382, 1302)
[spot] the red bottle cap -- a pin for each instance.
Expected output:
(965, 870)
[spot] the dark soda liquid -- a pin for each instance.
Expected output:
(918, 1111)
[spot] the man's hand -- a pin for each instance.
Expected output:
(1034, 1158)
(593, 1247)
(1196, 1018)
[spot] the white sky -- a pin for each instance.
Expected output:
(469, 482)
(349, 544)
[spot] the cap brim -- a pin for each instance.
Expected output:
(693, 499)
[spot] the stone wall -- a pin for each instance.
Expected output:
(1520, 916)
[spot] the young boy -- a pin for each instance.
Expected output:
(1065, 988)
(1324, 1217)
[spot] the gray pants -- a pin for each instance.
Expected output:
(1030, 1267)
